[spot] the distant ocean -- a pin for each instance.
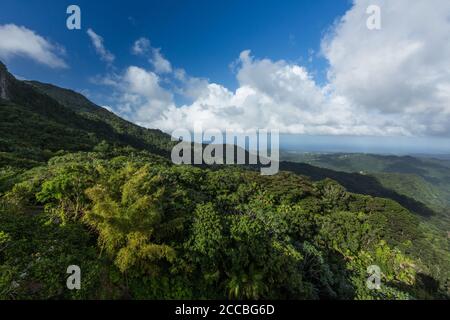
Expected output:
(357, 144)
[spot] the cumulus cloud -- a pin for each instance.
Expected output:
(141, 46)
(20, 41)
(273, 95)
(139, 95)
(97, 42)
(393, 81)
(401, 70)
(188, 86)
(161, 65)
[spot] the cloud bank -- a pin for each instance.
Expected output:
(394, 81)
(402, 70)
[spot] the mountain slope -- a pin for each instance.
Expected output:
(426, 180)
(81, 105)
(41, 119)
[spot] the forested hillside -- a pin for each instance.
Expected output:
(39, 120)
(80, 186)
(422, 184)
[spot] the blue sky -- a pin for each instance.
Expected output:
(312, 69)
(202, 36)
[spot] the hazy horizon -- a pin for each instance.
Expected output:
(375, 145)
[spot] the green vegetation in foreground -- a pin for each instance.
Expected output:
(142, 228)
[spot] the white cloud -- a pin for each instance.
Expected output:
(20, 41)
(141, 46)
(97, 42)
(402, 70)
(161, 65)
(139, 96)
(273, 95)
(190, 87)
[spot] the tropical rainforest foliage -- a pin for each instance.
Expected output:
(425, 179)
(80, 186)
(421, 184)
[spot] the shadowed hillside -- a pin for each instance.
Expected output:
(358, 183)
